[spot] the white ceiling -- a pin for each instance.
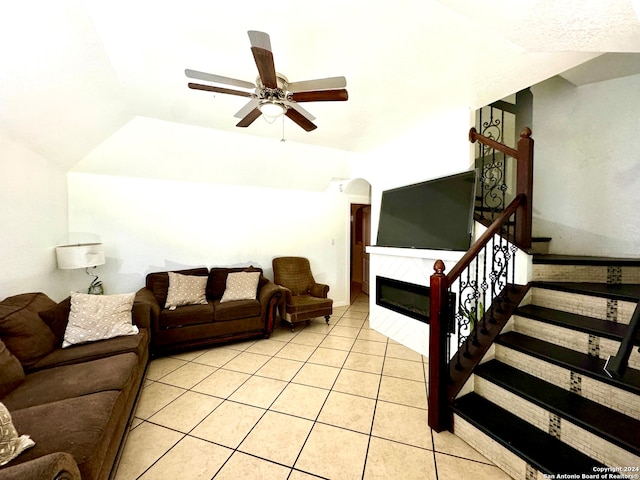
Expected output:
(73, 72)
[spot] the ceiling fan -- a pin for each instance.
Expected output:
(273, 95)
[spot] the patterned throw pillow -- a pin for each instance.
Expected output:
(186, 290)
(98, 317)
(11, 445)
(241, 286)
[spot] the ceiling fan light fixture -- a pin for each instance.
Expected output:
(272, 110)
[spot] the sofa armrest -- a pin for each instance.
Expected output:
(319, 290)
(269, 297)
(55, 466)
(146, 298)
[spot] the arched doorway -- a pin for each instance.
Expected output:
(359, 193)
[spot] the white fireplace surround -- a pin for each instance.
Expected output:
(409, 265)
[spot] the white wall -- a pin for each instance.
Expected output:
(153, 225)
(33, 219)
(587, 166)
(436, 148)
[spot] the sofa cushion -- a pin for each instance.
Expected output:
(217, 283)
(11, 444)
(186, 290)
(236, 310)
(98, 317)
(137, 344)
(186, 315)
(46, 386)
(21, 328)
(241, 286)
(83, 426)
(158, 282)
(57, 318)
(11, 372)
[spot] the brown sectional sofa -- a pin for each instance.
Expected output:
(192, 326)
(75, 403)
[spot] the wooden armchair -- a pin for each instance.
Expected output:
(304, 299)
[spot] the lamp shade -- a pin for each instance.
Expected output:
(80, 256)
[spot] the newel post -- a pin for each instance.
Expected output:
(438, 363)
(524, 185)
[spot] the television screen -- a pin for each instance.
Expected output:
(435, 215)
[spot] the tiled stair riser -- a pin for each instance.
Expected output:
(503, 458)
(585, 273)
(605, 394)
(569, 273)
(597, 307)
(569, 433)
(572, 339)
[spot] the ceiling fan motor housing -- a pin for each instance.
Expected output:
(274, 94)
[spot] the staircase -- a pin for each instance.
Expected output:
(540, 403)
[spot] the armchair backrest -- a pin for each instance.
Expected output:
(293, 273)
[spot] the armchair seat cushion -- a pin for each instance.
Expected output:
(236, 309)
(307, 303)
(186, 315)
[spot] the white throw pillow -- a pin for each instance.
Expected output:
(186, 290)
(241, 286)
(98, 317)
(11, 444)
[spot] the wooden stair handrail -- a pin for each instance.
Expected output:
(479, 244)
(475, 136)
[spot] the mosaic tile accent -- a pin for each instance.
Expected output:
(554, 425)
(576, 383)
(612, 310)
(594, 346)
(614, 275)
(531, 473)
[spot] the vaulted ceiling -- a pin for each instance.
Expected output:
(74, 72)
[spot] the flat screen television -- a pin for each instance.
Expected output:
(435, 215)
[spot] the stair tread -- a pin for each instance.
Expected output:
(556, 259)
(591, 325)
(522, 438)
(610, 424)
(579, 362)
(621, 291)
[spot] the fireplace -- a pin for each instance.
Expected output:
(409, 299)
(406, 298)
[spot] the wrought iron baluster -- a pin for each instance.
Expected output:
(484, 287)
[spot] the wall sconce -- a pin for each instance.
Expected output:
(83, 255)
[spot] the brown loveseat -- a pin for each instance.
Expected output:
(76, 402)
(212, 322)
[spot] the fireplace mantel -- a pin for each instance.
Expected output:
(408, 265)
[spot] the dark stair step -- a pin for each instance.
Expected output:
(629, 292)
(590, 325)
(570, 359)
(555, 259)
(605, 422)
(539, 449)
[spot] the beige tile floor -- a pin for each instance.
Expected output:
(340, 401)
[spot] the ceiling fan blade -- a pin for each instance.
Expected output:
(244, 111)
(300, 110)
(210, 88)
(266, 67)
(259, 39)
(331, 83)
(297, 117)
(321, 96)
(249, 118)
(210, 77)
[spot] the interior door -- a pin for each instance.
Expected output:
(366, 236)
